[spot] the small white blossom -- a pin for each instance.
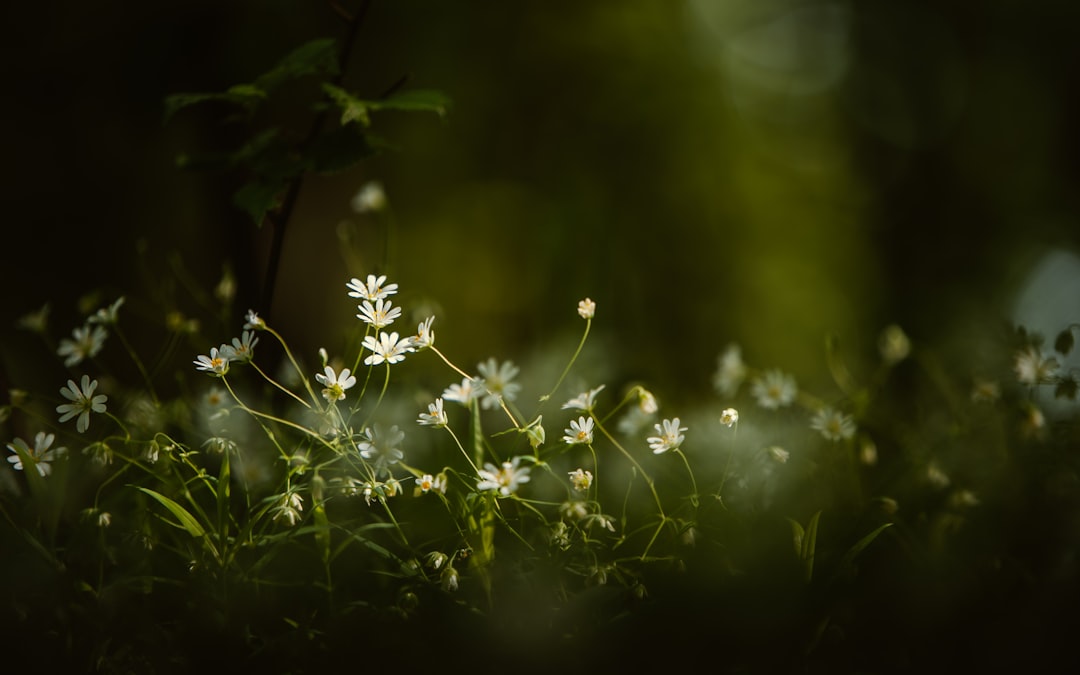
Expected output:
(586, 308)
(371, 197)
(580, 431)
(730, 371)
(243, 347)
(581, 479)
(435, 416)
(41, 454)
(498, 383)
(774, 389)
(1032, 367)
(389, 348)
(216, 364)
(464, 393)
(382, 447)
(336, 384)
(253, 322)
(374, 289)
(380, 315)
(85, 343)
(670, 436)
(83, 402)
(832, 424)
(729, 417)
(107, 315)
(505, 479)
(647, 402)
(425, 337)
(584, 401)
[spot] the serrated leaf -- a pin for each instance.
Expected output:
(318, 57)
(1064, 342)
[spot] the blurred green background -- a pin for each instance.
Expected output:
(708, 171)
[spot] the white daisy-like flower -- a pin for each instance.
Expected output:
(381, 448)
(1033, 367)
(380, 315)
(774, 389)
(85, 343)
(41, 454)
(253, 322)
(435, 416)
(215, 364)
(580, 431)
(497, 381)
(427, 483)
(388, 347)
(833, 424)
(373, 290)
(336, 384)
(243, 347)
(370, 198)
(586, 308)
(729, 417)
(670, 437)
(107, 315)
(425, 337)
(730, 371)
(505, 479)
(581, 479)
(83, 402)
(584, 401)
(465, 393)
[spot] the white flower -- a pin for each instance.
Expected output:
(586, 308)
(107, 315)
(336, 384)
(778, 454)
(580, 431)
(371, 197)
(584, 401)
(833, 424)
(425, 337)
(730, 371)
(425, 483)
(505, 479)
(435, 416)
(774, 389)
(85, 344)
(464, 393)
(647, 402)
(388, 348)
(381, 448)
(670, 437)
(253, 322)
(1032, 367)
(216, 364)
(380, 315)
(40, 454)
(580, 479)
(243, 347)
(894, 344)
(373, 290)
(498, 383)
(83, 402)
(729, 416)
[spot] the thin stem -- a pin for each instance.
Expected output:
(566, 371)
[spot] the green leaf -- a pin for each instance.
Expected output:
(1066, 388)
(245, 96)
(847, 562)
(259, 197)
(318, 57)
(416, 100)
(809, 544)
(187, 521)
(797, 534)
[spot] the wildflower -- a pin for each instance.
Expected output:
(586, 308)
(380, 315)
(289, 507)
(220, 444)
(100, 453)
(436, 559)
(243, 347)
(371, 197)
(1032, 367)
(580, 431)
(335, 384)
(388, 348)
(425, 337)
(647, 402)
(833, 424)
(85, 344)
(427, 483)
(41, 454)
(778, 454)
(381, 448)
(373, 290)
(600, 519)
(83, 402)
(730, 372)
(107, 316)
(573, 510)
(584, 401)
(894, 344)
(936, 476)
(37, 321)
(729, 417)
(774, 389)
(558, 535)
(670, 437)
(580, 479)
(498, 383)
(104, 519)
(464, 393)
(216, 364)
(505, 479)
(435, 416)
(450, 579)
(985, 391)
(535, 432)
(253, 322)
